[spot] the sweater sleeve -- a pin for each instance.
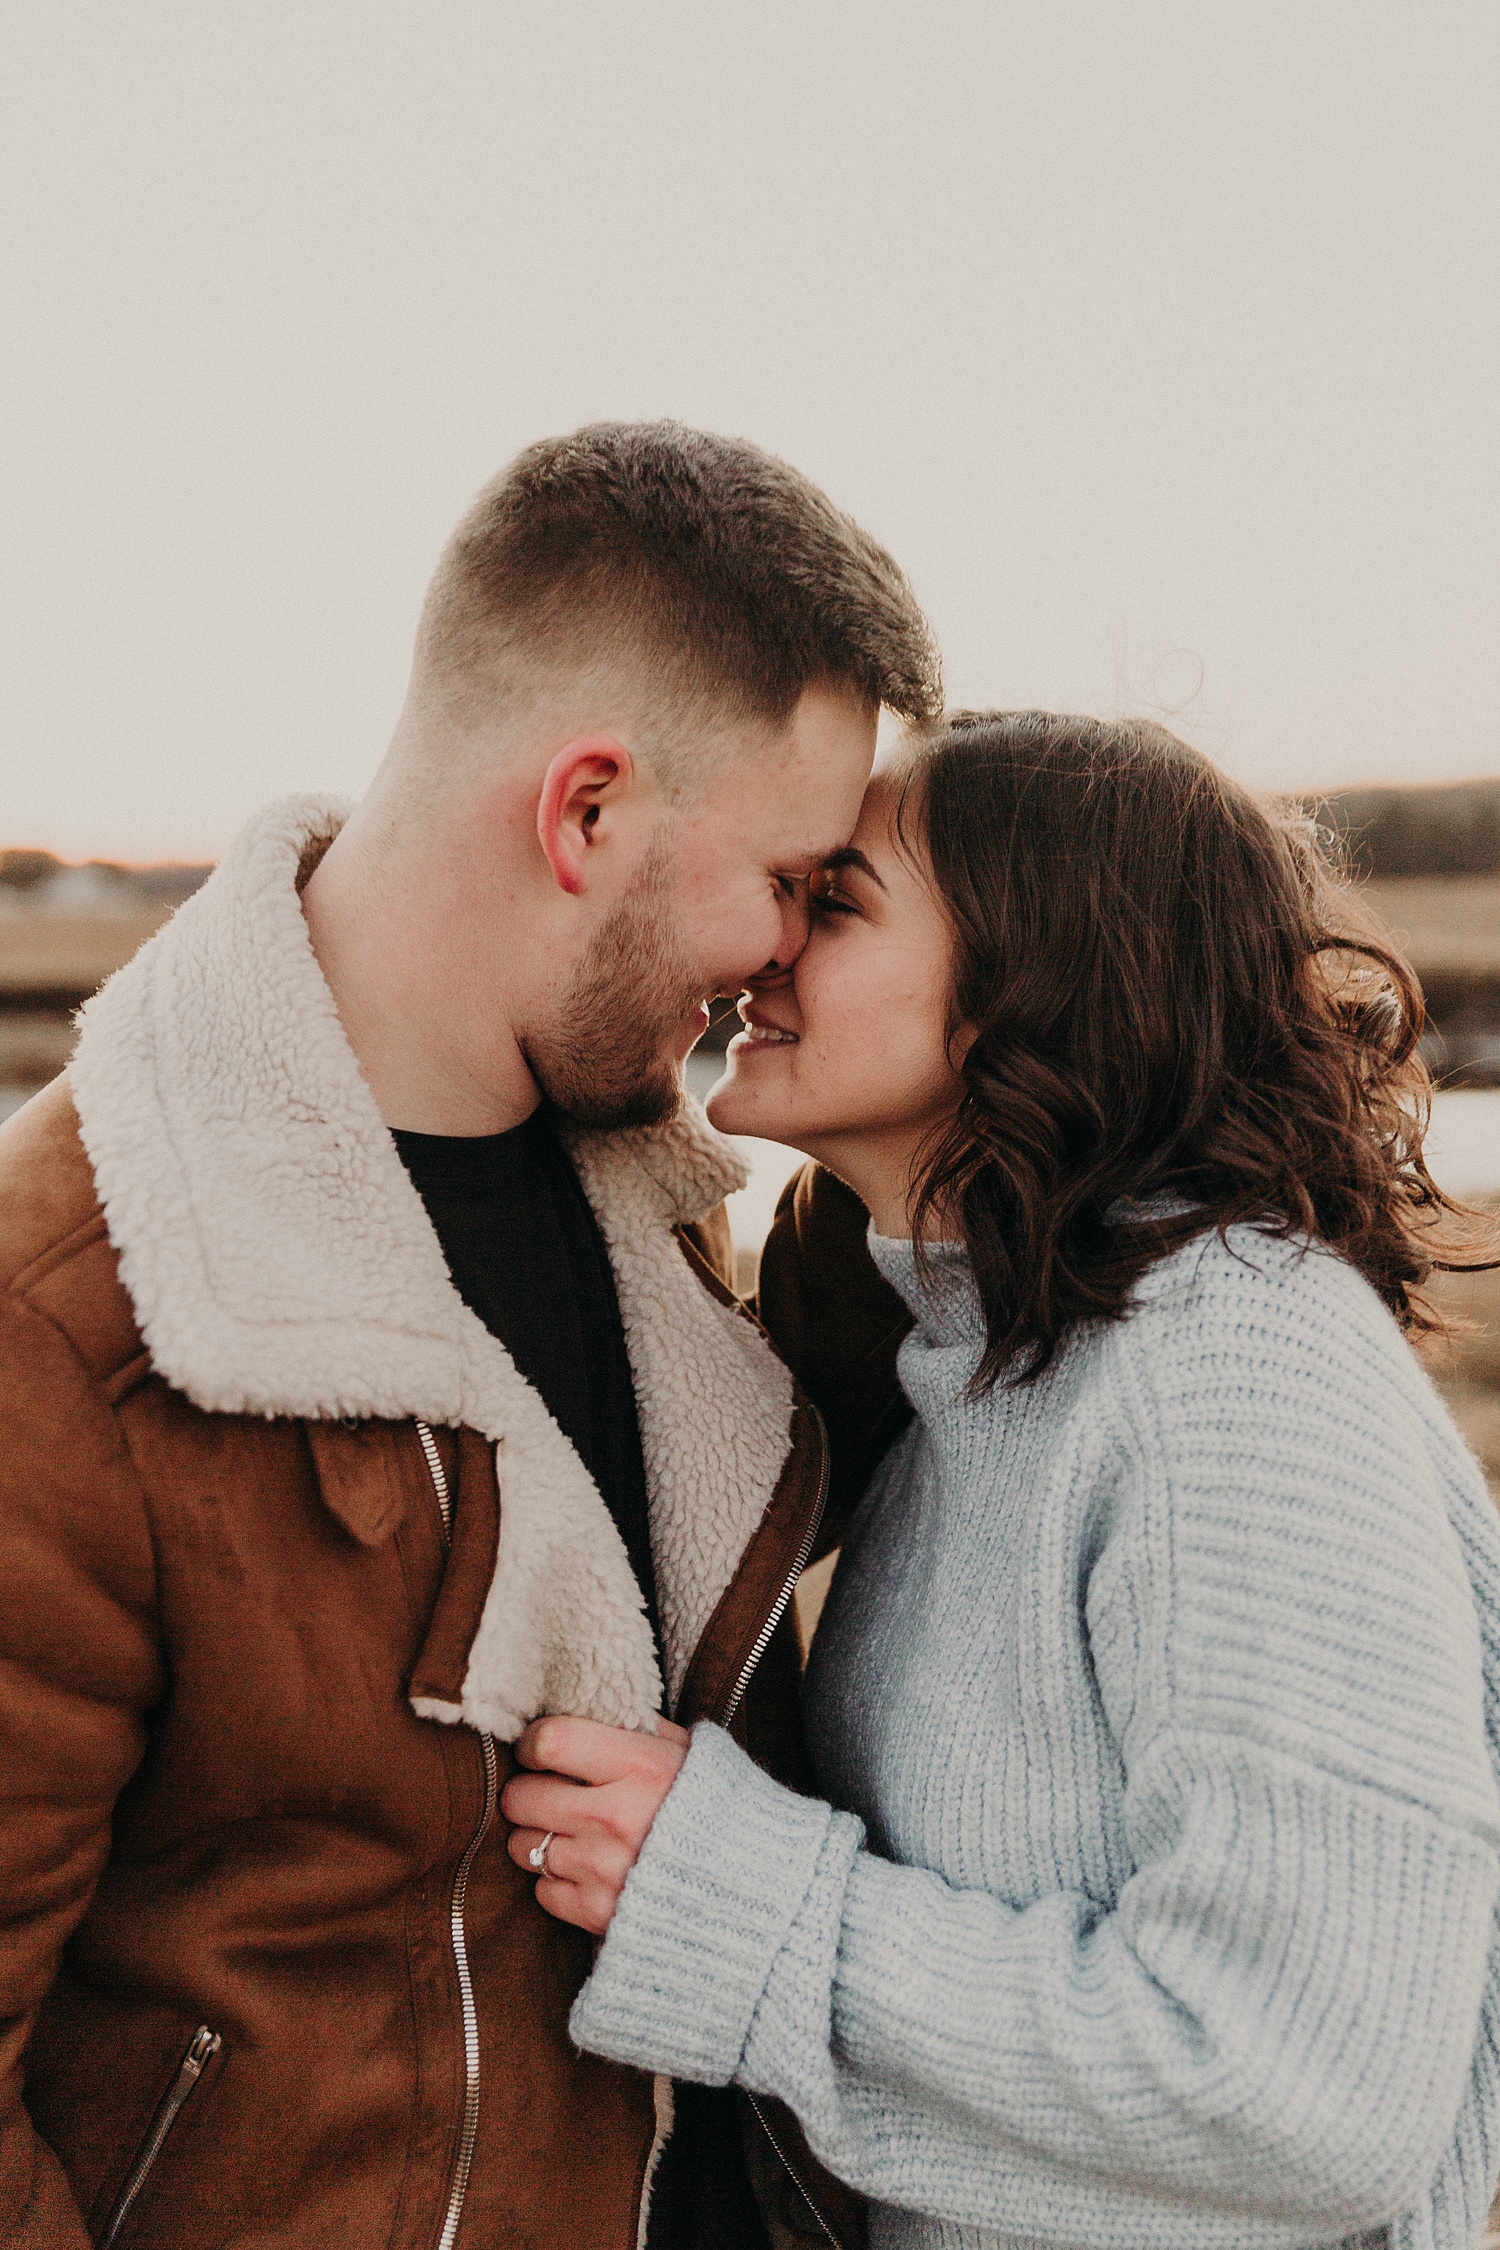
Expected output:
(1277, 2013)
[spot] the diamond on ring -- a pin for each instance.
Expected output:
(537, 1856)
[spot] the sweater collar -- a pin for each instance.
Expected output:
(939, 1294)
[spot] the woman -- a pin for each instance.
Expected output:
(1150, 1898)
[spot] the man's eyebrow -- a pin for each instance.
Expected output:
(850, 856)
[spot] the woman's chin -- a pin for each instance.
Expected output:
(735, 1107)
(725, 1112)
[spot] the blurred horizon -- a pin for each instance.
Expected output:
(151, 863)
(1426, 859)
(1160, 344)
(1369, 804)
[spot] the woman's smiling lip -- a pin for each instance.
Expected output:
(761, 1029)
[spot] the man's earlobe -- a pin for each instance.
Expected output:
(575, 788)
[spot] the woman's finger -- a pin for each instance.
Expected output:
(522, 1842)
(540, 1800)
(587, 1751)
(570, 1902)
(598, 1862)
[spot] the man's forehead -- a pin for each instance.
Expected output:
(790, 807)
(774, 837)
(802, 851)
(796, 829)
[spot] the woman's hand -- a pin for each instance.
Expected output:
(594, 1791)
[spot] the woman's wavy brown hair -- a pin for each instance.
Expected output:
(1176, 1001)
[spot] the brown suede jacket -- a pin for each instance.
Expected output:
(290, 1553)
(223, 1822)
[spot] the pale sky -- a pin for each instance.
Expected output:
(1160, 340)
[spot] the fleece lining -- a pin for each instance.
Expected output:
(281, 1263)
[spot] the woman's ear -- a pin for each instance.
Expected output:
(960, 1040)
(576, 788)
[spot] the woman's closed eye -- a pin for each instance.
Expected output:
(829, 900)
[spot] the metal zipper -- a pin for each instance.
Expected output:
(796, 2179)
(202, 2048)
(461, 1880)
(735, 1698)
(778, 1608)
(469, 2130)
(439, 1476)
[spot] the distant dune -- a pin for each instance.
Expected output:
(63, 930)
(1450, 828)
(59, 959)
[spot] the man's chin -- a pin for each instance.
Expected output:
(606, 1108)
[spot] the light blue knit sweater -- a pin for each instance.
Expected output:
(1160, 1909)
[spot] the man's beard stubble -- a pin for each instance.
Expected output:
(600, 1060)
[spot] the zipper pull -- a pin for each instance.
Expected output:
(202, 2048)
(205, 2046)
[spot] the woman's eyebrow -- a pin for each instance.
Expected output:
(850, 856)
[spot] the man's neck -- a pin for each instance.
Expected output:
(434, 1063)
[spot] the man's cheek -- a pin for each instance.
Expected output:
(739, 946)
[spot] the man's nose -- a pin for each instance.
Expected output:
(768, 978)
(796, 925)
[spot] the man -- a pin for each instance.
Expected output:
(369, 1384)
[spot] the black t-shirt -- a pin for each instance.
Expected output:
(525, 1252)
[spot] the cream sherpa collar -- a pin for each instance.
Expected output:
(281, 1263)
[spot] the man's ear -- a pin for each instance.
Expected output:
(575, 788)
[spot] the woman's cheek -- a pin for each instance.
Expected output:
(847, 1041)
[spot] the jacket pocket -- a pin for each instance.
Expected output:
(201, 2049)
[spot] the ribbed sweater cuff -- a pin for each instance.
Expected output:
(702, 1917)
